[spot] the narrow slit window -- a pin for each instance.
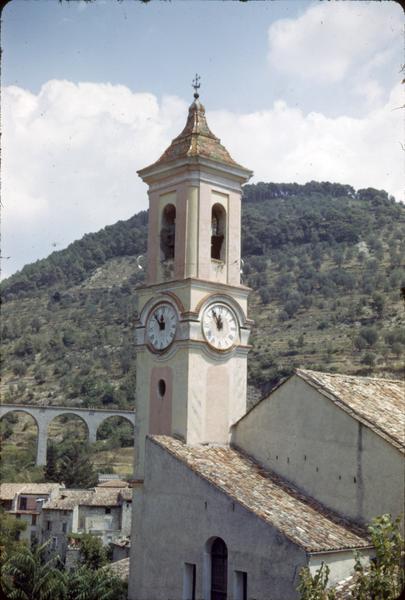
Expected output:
(189, 582)
(240, 591)
(168, 232)
(161, 388)
(218, 225)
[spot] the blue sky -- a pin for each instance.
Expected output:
(94, 91)
(154, 47)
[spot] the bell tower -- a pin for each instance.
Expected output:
(192, 329)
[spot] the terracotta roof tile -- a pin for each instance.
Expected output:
(113, 483)
(196, 139)
(9, 490)
(120, 568)
(377, 403)
(126, 494)
(68, 499)
(301, 519)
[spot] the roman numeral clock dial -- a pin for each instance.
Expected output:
(161, 326)
(219, 326)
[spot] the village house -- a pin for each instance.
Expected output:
(103, 512)
(25, 501)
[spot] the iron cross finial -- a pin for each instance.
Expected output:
(196, 85)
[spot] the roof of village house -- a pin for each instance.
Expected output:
(119, 568)
(9, 490)
(300, 518)
(124, 542)
(344, 588)
(195, 140)
(113, 483)
(126, 494)
(377, 403)
(68, 499)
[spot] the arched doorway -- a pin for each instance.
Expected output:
(219, 570)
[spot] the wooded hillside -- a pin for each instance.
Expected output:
(324, 262)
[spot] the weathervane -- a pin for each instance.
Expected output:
(196, 85)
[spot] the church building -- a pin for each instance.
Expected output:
(229, 504)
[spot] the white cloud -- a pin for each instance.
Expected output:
(70, 155)
(330, 39)
(283, 145)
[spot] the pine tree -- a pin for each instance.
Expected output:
(51, 472)
(75, 468)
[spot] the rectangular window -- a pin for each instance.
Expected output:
(108, 511)
(54, 543)
(23, 503)
(49, 525)
(64, 527)
(189, 581)
(240, 585)
(34, 520)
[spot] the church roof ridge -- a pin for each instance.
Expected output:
(300, 518)
(347, 376)
(376, 402)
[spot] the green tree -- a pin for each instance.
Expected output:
(380, 579)
(27, 575)
(75, 468)
(87, 584)
(51, 471)
(384, 577)
(378, 303)
(370, 334)
(19, 368)
(369, 359)
(265, 296)
(10, 529)
(313, 587)
(93, 554)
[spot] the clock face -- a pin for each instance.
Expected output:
(161, 326)
(219, 326)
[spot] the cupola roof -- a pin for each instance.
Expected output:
(196, 141)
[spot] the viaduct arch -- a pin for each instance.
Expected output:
(43, 415)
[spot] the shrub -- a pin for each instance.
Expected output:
(369, 359)
(19, 368)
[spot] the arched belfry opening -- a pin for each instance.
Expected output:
(219, 570)
(168, 232)
(218, 231)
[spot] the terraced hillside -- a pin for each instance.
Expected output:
(325, 263)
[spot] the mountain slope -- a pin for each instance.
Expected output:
(324, 262)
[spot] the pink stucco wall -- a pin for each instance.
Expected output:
(160, 408)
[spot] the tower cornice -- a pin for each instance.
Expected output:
(194, 164)
(204, 284)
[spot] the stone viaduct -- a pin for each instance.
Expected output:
(43, 415)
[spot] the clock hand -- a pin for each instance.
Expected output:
(160, 322)
(214, 314)
(219, 323)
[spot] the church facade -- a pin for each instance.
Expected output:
(230, 504)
